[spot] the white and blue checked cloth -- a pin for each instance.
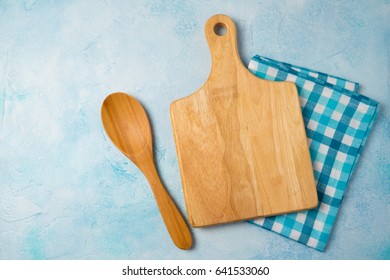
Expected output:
(337, 121)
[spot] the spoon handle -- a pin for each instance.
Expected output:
(173, 219)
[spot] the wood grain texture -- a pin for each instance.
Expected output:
(127, 125)
(241, 141)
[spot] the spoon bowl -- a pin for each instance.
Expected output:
(126, 124)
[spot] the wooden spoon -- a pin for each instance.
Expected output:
(127, 125)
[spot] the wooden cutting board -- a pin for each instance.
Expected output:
(240, 141)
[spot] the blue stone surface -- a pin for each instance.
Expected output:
(67, 193)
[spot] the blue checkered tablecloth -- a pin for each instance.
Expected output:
(338, 121)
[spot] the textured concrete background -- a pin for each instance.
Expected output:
(67, 193)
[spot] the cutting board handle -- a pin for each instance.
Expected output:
(221, 36)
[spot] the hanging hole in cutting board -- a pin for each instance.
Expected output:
(220, 29)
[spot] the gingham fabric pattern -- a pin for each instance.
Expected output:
(338, 121)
